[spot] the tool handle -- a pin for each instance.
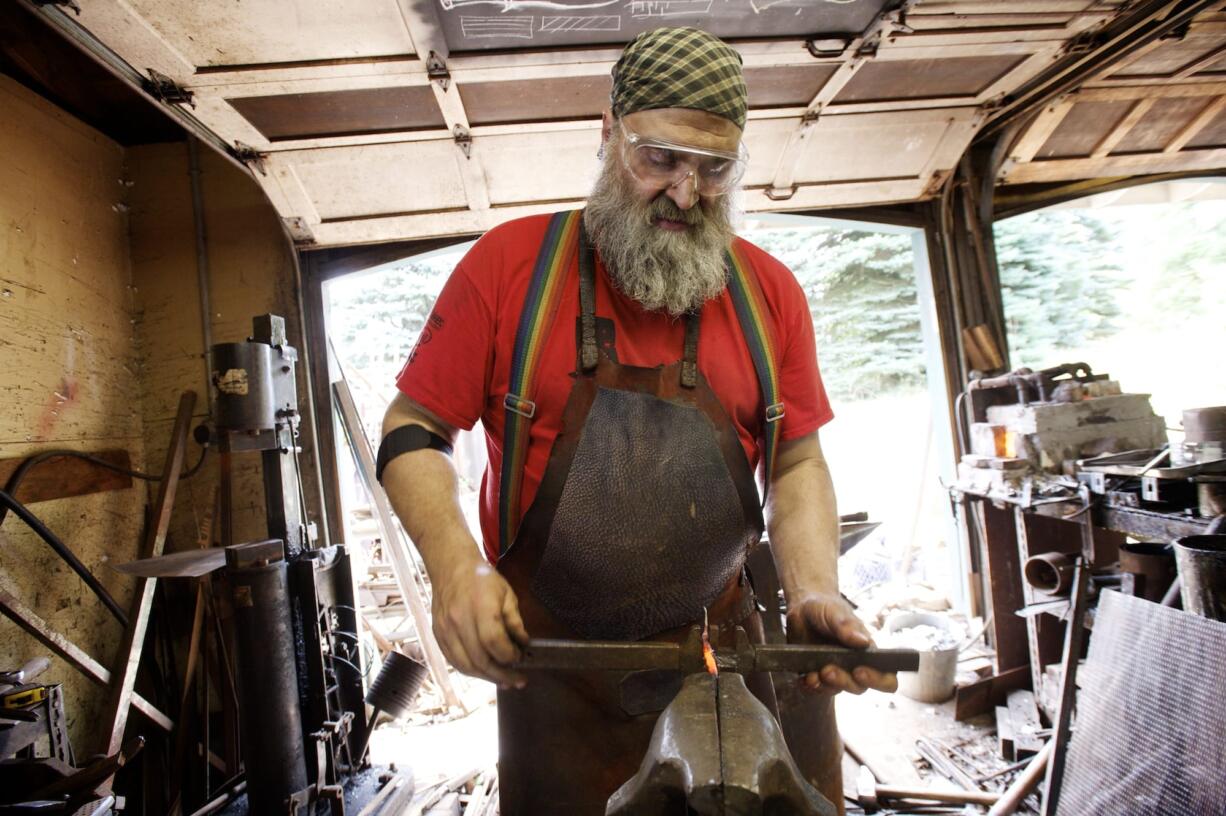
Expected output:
(34, 667)
(780, 657)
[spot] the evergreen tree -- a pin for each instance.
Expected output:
(862, 296)
(1059, 271)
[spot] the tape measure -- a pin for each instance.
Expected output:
(23, 697)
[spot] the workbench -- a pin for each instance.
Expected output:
(1005, 530)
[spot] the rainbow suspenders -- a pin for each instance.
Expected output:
(540, 308)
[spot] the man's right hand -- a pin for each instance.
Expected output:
(477, 623)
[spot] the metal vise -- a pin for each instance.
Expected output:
(749, 773)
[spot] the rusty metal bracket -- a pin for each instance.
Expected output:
(68, 4)
(464, 138)
(436, 70)
(781, 193)
(165, 89)
(251, 157)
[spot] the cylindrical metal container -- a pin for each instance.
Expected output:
(1205, 424)
(268, 686)
(242, 385)
(1153, 568)
(397, 684)
(1202, 574)
(1049, 572)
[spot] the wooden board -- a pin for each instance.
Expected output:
(982, 696)
(63, 476)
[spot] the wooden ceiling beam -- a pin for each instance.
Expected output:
(1201, 63)
(1132, 164)
(1040, 131)
(1189, 131)
(1121, 93)
(1122, 127)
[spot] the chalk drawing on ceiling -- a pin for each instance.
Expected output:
(641, 9)
(518, 26)
(514, 5)
(597, 22)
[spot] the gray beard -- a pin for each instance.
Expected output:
(671, 272)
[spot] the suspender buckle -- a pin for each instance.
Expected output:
(774, 413)
(516, 404)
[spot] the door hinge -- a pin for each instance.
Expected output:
(464, 138)
(436, 70)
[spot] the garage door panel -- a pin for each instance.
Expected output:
(377, 180)
(257, 32)
(540, 167)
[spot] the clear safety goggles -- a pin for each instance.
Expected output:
(664, 164)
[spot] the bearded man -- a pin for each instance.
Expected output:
(632, 365)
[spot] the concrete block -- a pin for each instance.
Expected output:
(1046, 417)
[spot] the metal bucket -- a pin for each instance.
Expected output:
(1202, 573)
(1152, 567)
(934, 681)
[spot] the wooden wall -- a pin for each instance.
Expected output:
(69, 374)
(250, 273)
(99, 334)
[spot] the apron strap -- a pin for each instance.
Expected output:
(535, 320)
(689, 361)
(588, 350)
(751, 312)
(588, 353)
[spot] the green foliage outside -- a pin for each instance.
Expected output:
(1059, 274)
(376, 317)
(1064, 274)
(862, 296)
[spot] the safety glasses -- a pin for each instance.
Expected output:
(664, 164)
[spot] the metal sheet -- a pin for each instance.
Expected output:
(1150, 717)
(187, 564)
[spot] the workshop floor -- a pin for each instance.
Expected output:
(882, 728)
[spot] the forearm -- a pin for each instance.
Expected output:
(424, 491)
(802, 521)
(475, 613)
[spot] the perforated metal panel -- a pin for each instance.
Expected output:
(1150, 721)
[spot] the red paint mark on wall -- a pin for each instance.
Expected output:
(58, 400)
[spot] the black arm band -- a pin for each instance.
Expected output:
(404, 439)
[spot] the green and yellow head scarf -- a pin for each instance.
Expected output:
(680, 68)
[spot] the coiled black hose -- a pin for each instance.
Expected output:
(63, 552)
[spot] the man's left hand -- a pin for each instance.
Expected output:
(819, 617)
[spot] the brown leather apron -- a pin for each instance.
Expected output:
(644, 517)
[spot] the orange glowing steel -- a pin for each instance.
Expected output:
(708, 656)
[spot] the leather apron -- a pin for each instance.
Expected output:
(644, 517)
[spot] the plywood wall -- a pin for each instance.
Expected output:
(100, 332)
(250, 273)
(69, 373)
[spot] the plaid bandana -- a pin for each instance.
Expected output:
(680, 68)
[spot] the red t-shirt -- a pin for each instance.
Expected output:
(461, 366)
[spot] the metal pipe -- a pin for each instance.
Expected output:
(202, 264)
(1026, 782)
(310, 412)
(215, 804)
(273, 750)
